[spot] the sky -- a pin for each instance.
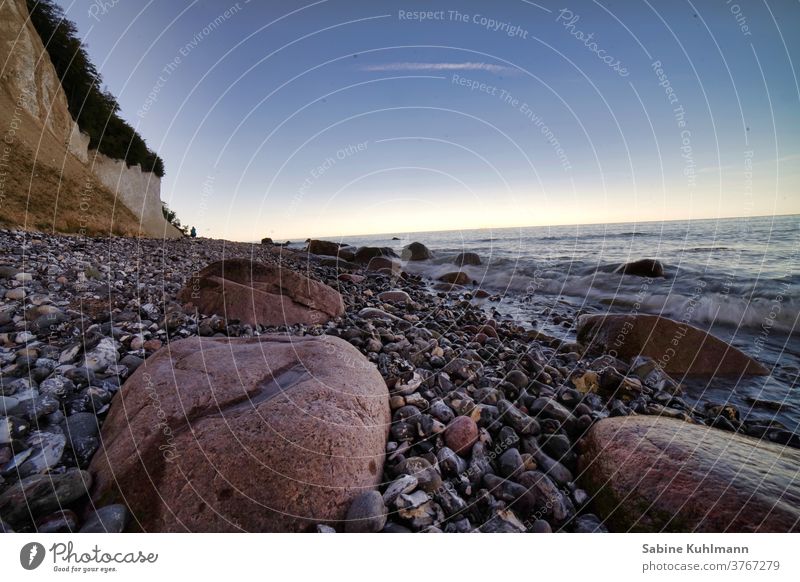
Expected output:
(336, 117)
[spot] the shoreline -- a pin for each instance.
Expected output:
(92, 313)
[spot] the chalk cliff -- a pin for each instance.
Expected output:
(49, 179)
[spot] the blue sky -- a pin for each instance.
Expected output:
(297, 119)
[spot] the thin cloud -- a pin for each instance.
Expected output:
(490, 68)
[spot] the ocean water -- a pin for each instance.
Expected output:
(737, 278)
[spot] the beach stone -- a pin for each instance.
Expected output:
(416, 251)
(386, 265)
(324, 248)
(467, 259)
(652, 474)
(39, 495)
(256, 293)
(367, 514)
(365, 255)
(455, 278)
(461, 434)
(59, 522)
(642, 268)
(428, 478)
(403, 484)
(7, 272)
(273, 433)
(47, 449)
(108, 519)
(678, 348)
(82, 433)
(103, 355)
(351, 278)
(16, 294)
(394, 297)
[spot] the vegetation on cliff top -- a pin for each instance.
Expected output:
(95, 110)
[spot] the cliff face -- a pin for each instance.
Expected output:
(49, 180)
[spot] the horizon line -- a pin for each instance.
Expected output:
(399, 233)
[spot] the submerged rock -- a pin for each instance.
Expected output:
(676, 347)
(642, 268)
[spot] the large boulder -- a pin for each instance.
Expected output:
(364, 255)
(642, 268)
(269, 434)
(678, 348)
(456, 278)
(653, 474)
(256, 293)
(467, 259)
(416, 251)
(323, 247)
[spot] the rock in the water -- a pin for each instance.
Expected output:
(416, 251)
(654, 474)
(456, 278)
(39, 495)
(642, 268)
(365, 254)
(467, 259)
(676, 347)
(273, 433)
(256, 293)
(324, 248)
(367, 514)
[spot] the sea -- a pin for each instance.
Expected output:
(737, 278)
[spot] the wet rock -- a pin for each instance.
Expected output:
(416, 251)
(679, 348)
(642, 268)
(467, 259)
(323, 247)
(455, 278)
(365, 255)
